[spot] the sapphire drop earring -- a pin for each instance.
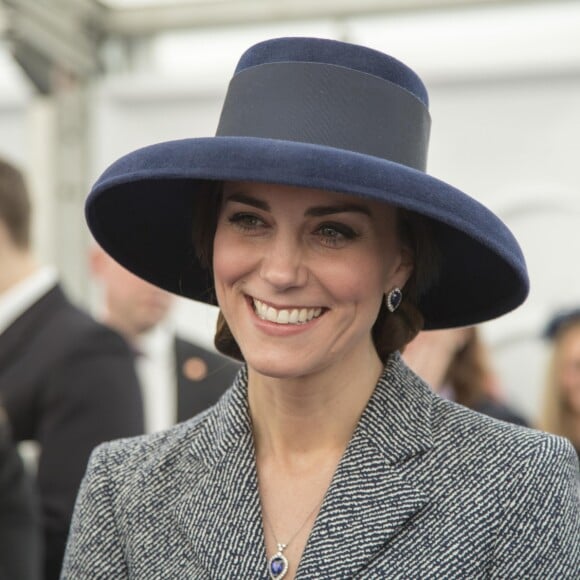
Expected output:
(393, 299)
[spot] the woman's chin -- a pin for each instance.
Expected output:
(279, 367)
(277, 370)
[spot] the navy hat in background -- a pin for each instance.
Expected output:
(561, 320)
(315, 113)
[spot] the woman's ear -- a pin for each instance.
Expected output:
(402, 271)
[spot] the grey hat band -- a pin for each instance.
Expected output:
(328, 105)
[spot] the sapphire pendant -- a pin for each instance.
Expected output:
(278, 564)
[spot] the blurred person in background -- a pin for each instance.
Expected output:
(561, 406)
(178, 378)
(456, 363)
(20, 531)
(66, 381)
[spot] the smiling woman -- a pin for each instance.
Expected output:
(310, 221)
(389, 333)
(282, 252)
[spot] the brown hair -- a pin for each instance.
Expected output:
(14, 204)
(470, 373)
(391, 331)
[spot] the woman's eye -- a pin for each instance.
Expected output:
(246, 221)
(335, 234)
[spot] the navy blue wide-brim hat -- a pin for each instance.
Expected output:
(314, 113)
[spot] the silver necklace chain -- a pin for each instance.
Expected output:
(297, 531)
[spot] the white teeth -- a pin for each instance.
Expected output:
(294, 316)
(271, 315)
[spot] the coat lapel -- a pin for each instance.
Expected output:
(371, 497)
(220, 516)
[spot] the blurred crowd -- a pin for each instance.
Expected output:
(458, 365)
(69, 381)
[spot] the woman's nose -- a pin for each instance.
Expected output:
(283, 264)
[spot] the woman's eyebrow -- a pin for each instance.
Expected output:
(248, 200)
(323, 210)
(316, 211)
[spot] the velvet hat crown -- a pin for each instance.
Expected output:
(315, 113)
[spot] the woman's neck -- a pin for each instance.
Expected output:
(296, 418)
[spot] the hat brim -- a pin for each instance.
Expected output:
(141, 212)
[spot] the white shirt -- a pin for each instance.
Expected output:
(156, 372)
(17, 300)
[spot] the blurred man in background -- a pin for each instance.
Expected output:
(179, 379)
(66, 381)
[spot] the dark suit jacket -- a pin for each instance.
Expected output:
(425, 489)
(20, 535)
(68, 383)
(195, 396)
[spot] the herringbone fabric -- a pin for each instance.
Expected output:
(425, 489)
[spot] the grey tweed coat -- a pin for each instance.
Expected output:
(425, 489)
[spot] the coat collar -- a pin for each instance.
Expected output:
(369, 500)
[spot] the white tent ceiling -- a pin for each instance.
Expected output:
(498, 35)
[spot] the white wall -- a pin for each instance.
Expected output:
(13, 131)
(13, 103)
